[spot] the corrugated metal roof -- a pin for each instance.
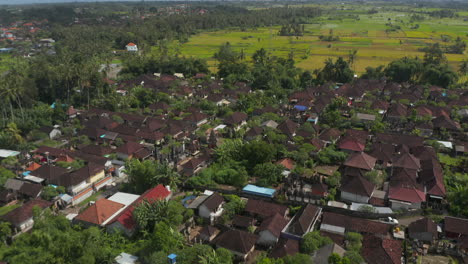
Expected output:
(123, 198)
(262, 191)
(5, 153)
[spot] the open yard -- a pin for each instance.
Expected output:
(366, 33)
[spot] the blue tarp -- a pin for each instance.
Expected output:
(260, 191)
(184, 201)
(300, 107)
(26, 173)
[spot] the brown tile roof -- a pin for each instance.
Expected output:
(382, 251)
(213, 201)
(264, 209)
(100, 211)
(285, 247)
(359, 185)
(25, 212)
(208, 231)
(129, 148)
(49, 172)
(397, 110)
(274, 224)
(30, 189)
(236, 118)
(242, 221)
(423, 225)
(400, 139)
(236, 240)
(303, 220)
(361, 160)
(330, 134)
(456, 225)
(407, 161)
(356, 224)
(411, 195)
(352, 144)
(288, 127)
(97, 150)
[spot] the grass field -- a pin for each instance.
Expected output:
(375, 46)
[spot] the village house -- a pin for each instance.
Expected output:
(212, 207)
(240, 243)
(21, 218)
(131, 47)
(424, 230)
(270, 229)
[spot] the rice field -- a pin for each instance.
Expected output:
(368, 35)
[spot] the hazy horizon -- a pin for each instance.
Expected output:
(22, 2)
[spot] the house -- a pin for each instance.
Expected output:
(197, 119)
(212, 207)
(208, 233)
(359, 164)
(405, 198)
(254, 133)
(270, 123)
(285, 247)
(13, 185)
(131, 47)
(303, 222)
(455, 227)
(46, 173)
(287, 163)
(193, 165)
(21, 218)
(124, 221)
(270, 229)
(99, 213)
(350, 145)
(243, 222)
(30, 190)
(236, 120)
(365, 118)
(339, 224)
(52, 132)
(407, 161)
(357, 189)
(322, 254)
(288, 128)
(131, 150)
(263, 210)
(240, 243)
(424, 230)
(381, 250)
(330, 135)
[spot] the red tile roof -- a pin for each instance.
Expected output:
(382, 251)
(131, 44)
(99, 212)
(411, 195)
(287, 163)
(126, 217)
(352, 144)
(361, 160)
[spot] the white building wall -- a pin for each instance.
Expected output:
(354, 197)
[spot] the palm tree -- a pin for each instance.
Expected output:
(15, 132)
